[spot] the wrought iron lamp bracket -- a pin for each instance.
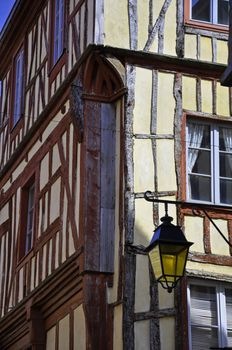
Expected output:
(197, 208)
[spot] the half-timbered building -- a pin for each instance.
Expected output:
(101, 100)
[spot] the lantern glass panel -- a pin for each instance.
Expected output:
(154, 256)
(181, 261)
(173, 260)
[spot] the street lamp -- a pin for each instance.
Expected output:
(168, 253)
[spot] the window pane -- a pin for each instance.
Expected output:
(203, 312)
(228, 294)
(201, 10)
(225, 139)
(202, 164)
(204, 338)
(225, 191)
(223, 12)
(226, 165)
(200, 188)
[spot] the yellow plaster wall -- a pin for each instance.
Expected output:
(143, 165)
(218, 245)
(170, 30)
(117, 337)
(194, 233)
(167, 333)
(143, 23)
(222, 51)
(165, 157)
(205, 49)
(165, 104)
(206, 269)
(142, 284)
(115, 23)
(189, 93)
(206, 96)
(190, 48)
(222, 100)
(51, 339)
(142, 110)
(79, 335)
(64, 334)
(166, 300)
(142, 335)
(143, 222)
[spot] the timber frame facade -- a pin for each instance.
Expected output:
(83, 134)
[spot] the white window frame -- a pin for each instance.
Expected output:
(58, 46)
(213, 13)
(18, 84)
(215, 165)
(220, 288)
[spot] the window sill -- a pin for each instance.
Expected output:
(207, 26)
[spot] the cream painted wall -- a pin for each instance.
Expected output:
(64, 334)
(206, 96)
(167, 327)
(115, 22)
(79, 341)
(165, 157)
(143, 222)
(165, 103)
(209, 269)
(51, 339)
(190, 46)
(143, 171)
(194, 233)
(142, 335)
(218, 245)
(142, 284)
(117, 337)
(206, 49)
(223, 100)
(189, 93)
(142, 110)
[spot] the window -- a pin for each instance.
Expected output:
(58, 30)
(209, 162)
(27, 217)
(18, 86)
(210, 11)
(210, 315)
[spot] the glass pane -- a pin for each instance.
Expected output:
(202, 164)
(203, 311)
(201, 10)
(223, 12)
(226, 191)
(228, 294)
(203, 306)
(225, 139)
(225, 165)
(154, 256)
(204, 338)
(200, 188)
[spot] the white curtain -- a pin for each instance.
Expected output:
(227, 136)
(195, 135)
